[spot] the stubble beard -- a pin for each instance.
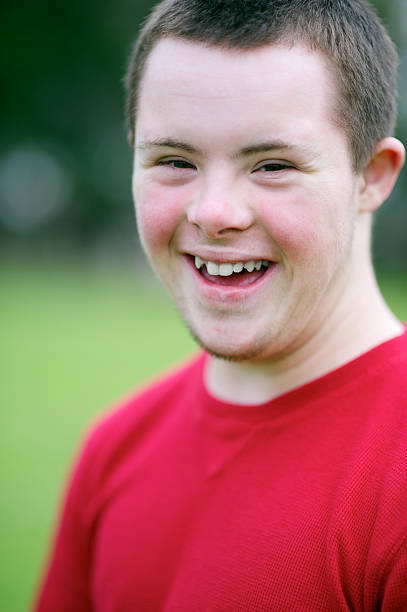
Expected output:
(254, 353)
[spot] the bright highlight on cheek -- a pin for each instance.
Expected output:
(153, 227)
(298, 238)
(292, 231)
(158, 216)
(160, 208)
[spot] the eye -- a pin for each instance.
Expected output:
(273, 166)
(182, 164)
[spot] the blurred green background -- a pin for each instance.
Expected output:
(82, 320)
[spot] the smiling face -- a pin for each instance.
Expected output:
(245, 196)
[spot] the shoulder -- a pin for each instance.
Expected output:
(368, 528)
(143, 413)
(378, 377)
(385, 369)
(151, 395)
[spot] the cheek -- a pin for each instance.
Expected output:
(293, 225)
(308, 228)
(158, 214)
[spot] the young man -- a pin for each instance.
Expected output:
(270, 473)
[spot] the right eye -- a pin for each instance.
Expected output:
(176, 163)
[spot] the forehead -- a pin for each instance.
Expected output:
(275, 87)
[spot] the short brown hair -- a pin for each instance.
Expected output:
(347, 32)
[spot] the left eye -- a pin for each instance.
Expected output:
(272, 167)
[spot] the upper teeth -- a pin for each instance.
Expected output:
(226, 269)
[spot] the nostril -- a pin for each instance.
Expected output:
(217, 217)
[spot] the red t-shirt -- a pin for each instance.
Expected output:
(183, 502)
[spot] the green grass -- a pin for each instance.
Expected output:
(73, 340)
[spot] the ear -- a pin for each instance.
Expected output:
(380, 174)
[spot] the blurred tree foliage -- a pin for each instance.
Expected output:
(65, 166)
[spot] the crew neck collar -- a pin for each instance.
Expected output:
(338, 381)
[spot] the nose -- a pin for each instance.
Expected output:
(220, 208)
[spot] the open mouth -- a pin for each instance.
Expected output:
(232, 274)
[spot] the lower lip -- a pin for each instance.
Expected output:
(224, 292)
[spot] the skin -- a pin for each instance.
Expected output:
(237, 158)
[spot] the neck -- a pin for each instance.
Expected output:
(359, 321)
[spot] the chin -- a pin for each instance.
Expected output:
(222, 349)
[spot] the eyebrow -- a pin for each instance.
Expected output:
(167, 142)
(271, 146)
(262, 147)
